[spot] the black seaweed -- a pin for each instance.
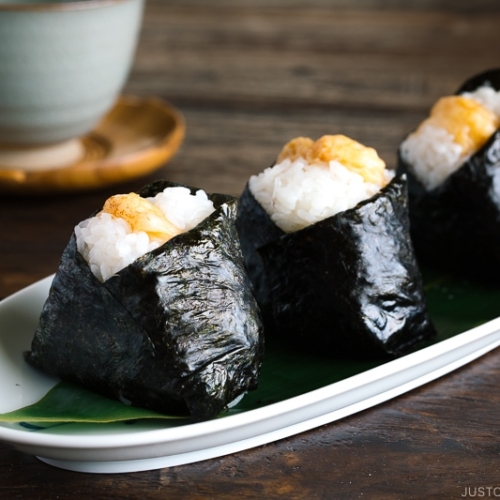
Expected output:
(177, 331)
(347, 285)
(456, 226)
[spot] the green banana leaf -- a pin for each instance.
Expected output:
(67, 402)
(455, 306)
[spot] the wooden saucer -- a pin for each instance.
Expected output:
(136, 137)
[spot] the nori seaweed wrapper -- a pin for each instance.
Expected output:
(177, 331)
(347, 285)
(456, 226)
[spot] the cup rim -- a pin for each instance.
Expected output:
(58, 6)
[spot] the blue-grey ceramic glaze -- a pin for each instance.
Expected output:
(62, 65)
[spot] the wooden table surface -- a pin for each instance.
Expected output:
(248, 75)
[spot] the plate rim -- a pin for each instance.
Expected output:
(156, 448)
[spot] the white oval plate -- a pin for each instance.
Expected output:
(118, 448)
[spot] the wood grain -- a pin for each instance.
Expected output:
(135, 138)
(248, 76)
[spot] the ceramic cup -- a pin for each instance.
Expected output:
(63, 64)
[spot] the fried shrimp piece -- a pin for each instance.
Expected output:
(351, 154)
(470, 123)
(296, 148)
(141, 215)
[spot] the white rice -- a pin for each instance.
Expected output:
(487, 96)
(433, 153)
(297, 194)
(108, 244)
(182, 208)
